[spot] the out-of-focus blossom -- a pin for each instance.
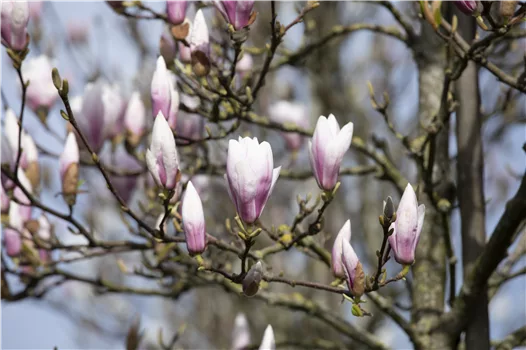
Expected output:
(161, 157)
(268, 342)
(69, 169)
(190, 125)
(237, 13)
(343, 236)
(31, 166)
(167, 47)
(165, 98)
(4, 199)
(253, 279)
(327, 149)
(353, 269)
(44, 233)
(185, 53)
(240, 333)
(176, 11)
(471, 7)
(15, 16)
(244, 65)
(193, 221)
(407, 227)
(122, 161)
(24, 208)
(200, 45)
(41, 93)
(114, 107)
(250, 176)
(135, 119)
(77, 32)
(285, 112)
(35, 10)
(12, 234)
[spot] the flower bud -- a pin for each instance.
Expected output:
(327, 148)
(240, 333)
(407, 227)
(41, 92)
(268, 342)
(69, 169)
(193, 221)
(250, 176)
(161, 158)
(286, 112)
(343, 236)
(165, 98)
(185, 53)
(252, 279)
(134, 119)
(167, 47)
(470, 7)
(176, 11)
(353, 270)
(389, 209)
(237, 13)
(200, 45)
(15, 16)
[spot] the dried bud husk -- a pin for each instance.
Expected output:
(69, 184)
(358, 287)
(133, 139)
(134, 337)
(32, 226)
(252, 280)
(180, 31)
(33, 173)
(200, 64)
(507, 8)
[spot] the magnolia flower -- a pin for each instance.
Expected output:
(253, 279)
(161, 158)
(200, 45)
(176, 11)
(134, 119)
(4, 199)
(15, 16)
(469, 7)
(353, 269)
(343, 236)
(327, 148)
(69, 169)
(193, 221)
(237, 13)
(41, 93)
(285, 112)
(240, 333)
(165, 98)
(407, 227)
(250, 176)
(268, 342)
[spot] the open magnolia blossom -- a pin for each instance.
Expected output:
(327, 148)
(161, 158)
(250, 176)
(407, 227)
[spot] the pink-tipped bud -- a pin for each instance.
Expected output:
(200, 45)
(69, 169)
(353, 270)
(327, 148)
(165, 98)
(193, 221)
(238, 13)
(250, 176)
(15, 16)
(135, 119)
(343, 236)
(407, 227)
(470, 7)
(161, 158)
(176, 11)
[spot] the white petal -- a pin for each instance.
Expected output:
(268, 342)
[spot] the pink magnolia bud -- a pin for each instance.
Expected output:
(15, 16)
(268, 342)
(134, 119)
(249, 176)
(237, 13)
(200, 45)
(69, 169)
(165, 98)
(240, 333)
(327, 148)
(161, 158)
(193, 221)
(4, 199)
(285, 112)
(41, 93)
(176, 11)
(470, 7)
(343, 236)
(407, 227)
(353, 270)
